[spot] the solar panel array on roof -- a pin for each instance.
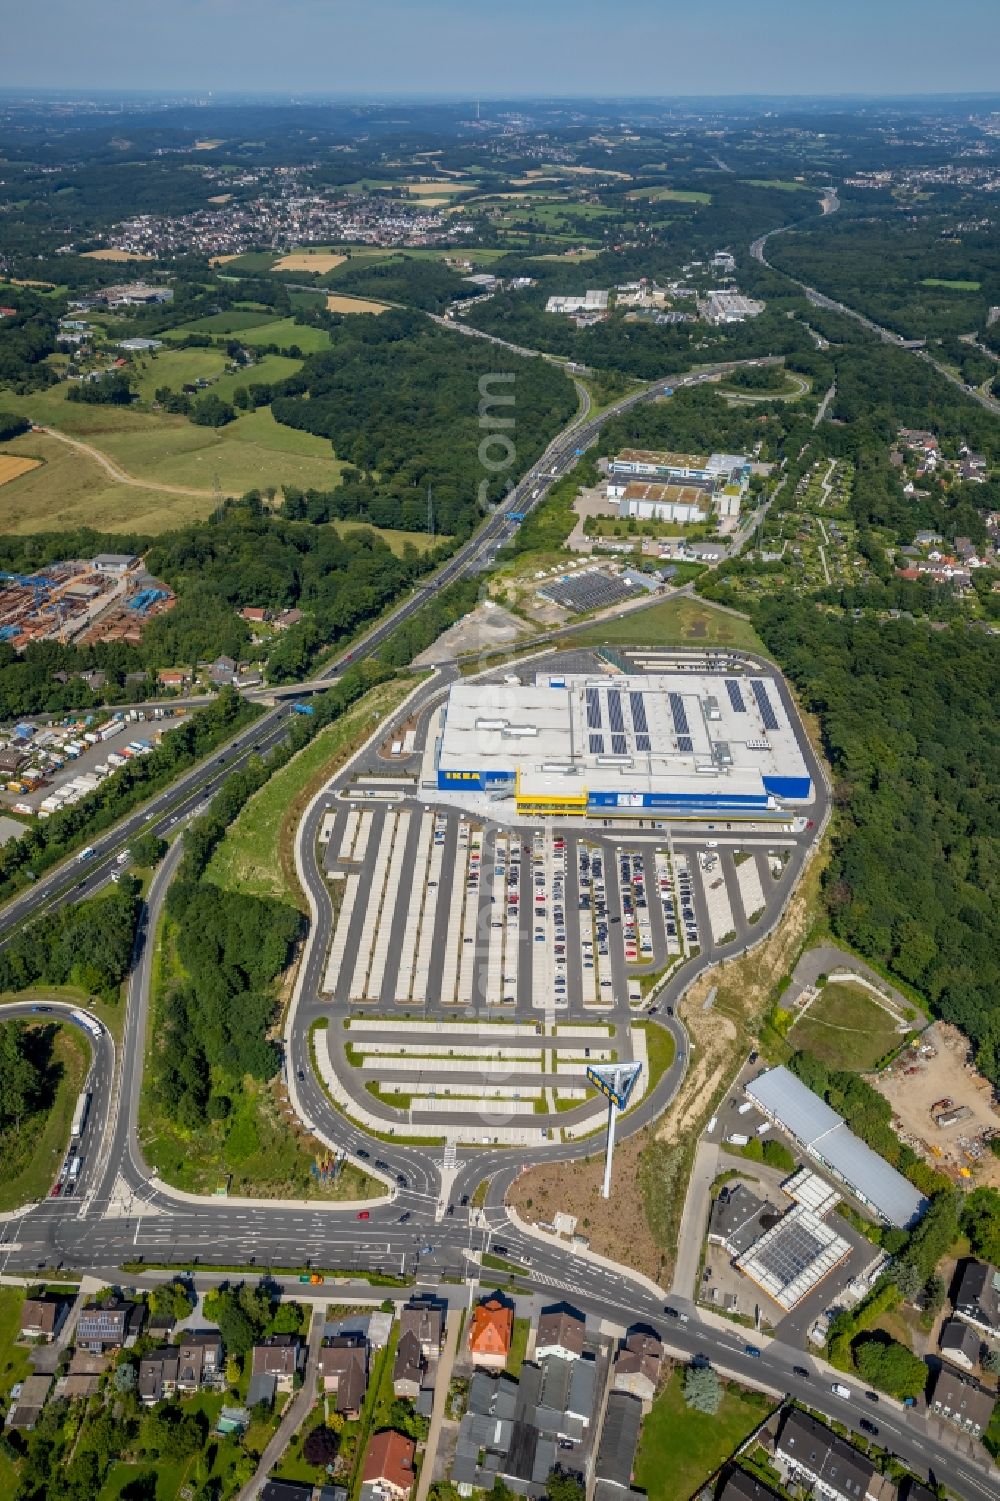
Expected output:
(642, 743)
(767, 714)
(639, 714)
(679, 713)
(685, 744)
(593, 709)
(619, 745)
(587, 591)
(597, 745)
(735, 696)
(615, 711)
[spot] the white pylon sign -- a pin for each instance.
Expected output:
(616, 1082)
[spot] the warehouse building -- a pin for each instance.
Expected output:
(682, 743)
(786, 1101)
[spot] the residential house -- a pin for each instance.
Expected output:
(491, 1332)
(740, 1486)
(976, 1296)
(287, 619)
(409, 1367)
(280, 1356)
(424, 1317)
(387, 1473)
(173, 677)
(222, 671)
(84, 1375)
(343, 1368)
(201, 1359)
(638, 1364)
(816, 1458)
(108, 1326)
(158, 1375)
(255, 614)
(961, 1401)
(559, 1396)
(286, 1490)
(959, 1343)
(560, 1332)
(619, 1441)
(28, 1404)
(42, 1318)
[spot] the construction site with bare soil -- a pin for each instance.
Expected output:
(942, 1105)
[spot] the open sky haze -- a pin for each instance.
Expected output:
(576, 47)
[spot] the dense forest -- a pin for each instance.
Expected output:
(919, 280)
(88, 944)
(244, 556)
(403, 403)
(910, 722)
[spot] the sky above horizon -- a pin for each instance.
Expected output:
(509, 47)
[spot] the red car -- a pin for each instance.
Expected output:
(363, 1214)
(56, 1191)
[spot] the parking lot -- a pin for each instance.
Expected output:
(445, 913)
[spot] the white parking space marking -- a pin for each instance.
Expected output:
(359, 980)
(453, 938)
(665, 889)
(497, 888)
(350, 834)
(470, 920)
(585, 927)
(338, 947)
(414, 909)
(685, 899)
(751, 891)
(720, 913)
(425, 949)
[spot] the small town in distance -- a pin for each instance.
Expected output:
(499, 614)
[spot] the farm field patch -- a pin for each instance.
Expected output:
(12, 466)
(341, 303)
(111, 254)
(309, 260)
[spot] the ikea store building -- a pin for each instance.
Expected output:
(674, 743)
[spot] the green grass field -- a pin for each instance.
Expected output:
(70, 491)
(674, 622)
(256, 854)
(679, 1449)
(395, 539)
(30, 1162)
(161, 450)
(670, 195)
(846, 1029)
(783, 184)
(285, 332)
(951, 286)
(176, 368)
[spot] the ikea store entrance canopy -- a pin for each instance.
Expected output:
(680, 741)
